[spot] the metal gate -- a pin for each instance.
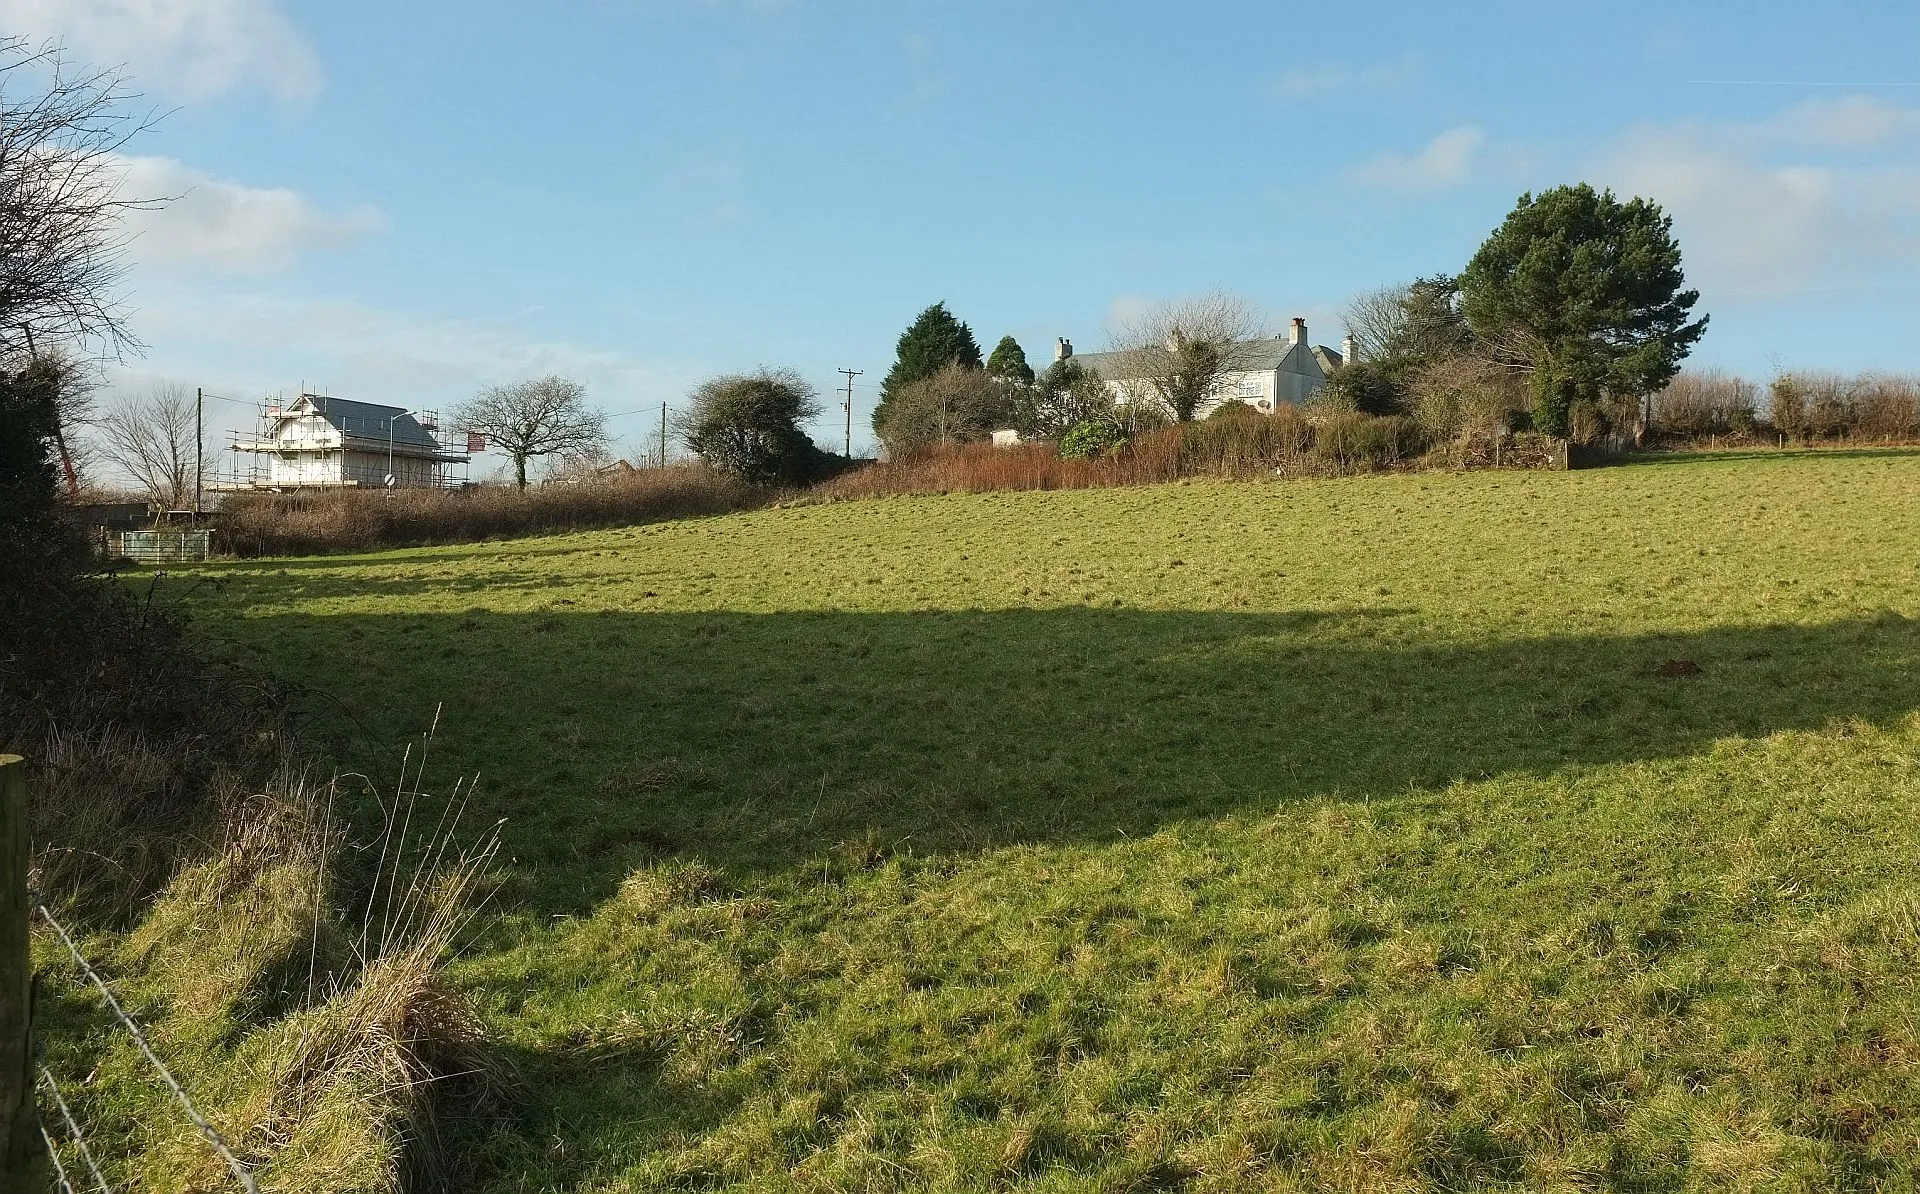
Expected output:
(158, 547)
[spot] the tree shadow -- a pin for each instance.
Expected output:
(758, 743)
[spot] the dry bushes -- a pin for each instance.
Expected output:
(1712, 407)
(358, 520)
(1287, 443)
(1705, 404)
(1466, 400)
(981, 468)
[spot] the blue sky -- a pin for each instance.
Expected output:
(405, 202)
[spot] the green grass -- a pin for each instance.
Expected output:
(1333, 835)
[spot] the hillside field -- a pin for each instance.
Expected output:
(1425, 831)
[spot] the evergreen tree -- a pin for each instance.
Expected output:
(1586, 293)
(932, 342)
(1009, 362)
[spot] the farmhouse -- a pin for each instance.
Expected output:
(1271, 372)
(322, 442)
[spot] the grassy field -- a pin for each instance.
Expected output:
(1531, 831)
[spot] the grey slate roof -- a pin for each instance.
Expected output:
(368, 421)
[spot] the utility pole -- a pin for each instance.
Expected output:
(199, 439)
(663, 435)
(847, 406)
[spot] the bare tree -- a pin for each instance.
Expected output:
(548, 416)
(1177, 356)
(61, 209)
(1415, 324)
(1376, 321)
(61, 245)
(957, 404)
(150, 438)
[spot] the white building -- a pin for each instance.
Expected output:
(321, 442)
(1289, 370)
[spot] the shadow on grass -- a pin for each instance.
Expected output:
(761, 742)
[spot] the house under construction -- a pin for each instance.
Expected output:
(318, 442)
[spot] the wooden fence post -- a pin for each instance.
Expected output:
(23, 1166)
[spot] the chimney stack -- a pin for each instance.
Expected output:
(1299, 331)
(1062, 349)
(1349, 351)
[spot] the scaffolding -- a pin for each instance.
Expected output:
(320, 442)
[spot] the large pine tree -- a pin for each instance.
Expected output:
(932, 342)
(1586, 293)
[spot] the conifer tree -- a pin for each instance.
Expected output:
(932, 342)
(1585, 293)
(1009, 362)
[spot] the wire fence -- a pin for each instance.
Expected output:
(241, 1174)
(74, 1135)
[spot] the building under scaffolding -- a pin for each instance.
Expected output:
(317, 442)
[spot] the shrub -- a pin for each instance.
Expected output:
(1699, 404)
(1095, 437)
(1243, 445)
(1365, 387)
(956, 405)
(1466, 398)
(1887, 407)
(747, 426)
(1065, 396)
(1357, 441)
(1232, 408)
(1829, 406)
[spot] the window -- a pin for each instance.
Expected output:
(1251, 386)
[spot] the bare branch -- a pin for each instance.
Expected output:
(1377, 321)
(545, 417)
(61, 241)
(1178, 356)
(150, 438)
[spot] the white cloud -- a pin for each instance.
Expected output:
(227, 226)
(191, 49)
(1824, 194)
(1127, 310)
(253, 342)
(1306, 82)
(1447, 159)
(1851, 123)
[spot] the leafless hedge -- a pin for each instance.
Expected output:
(1710, 406)
(352, 520)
